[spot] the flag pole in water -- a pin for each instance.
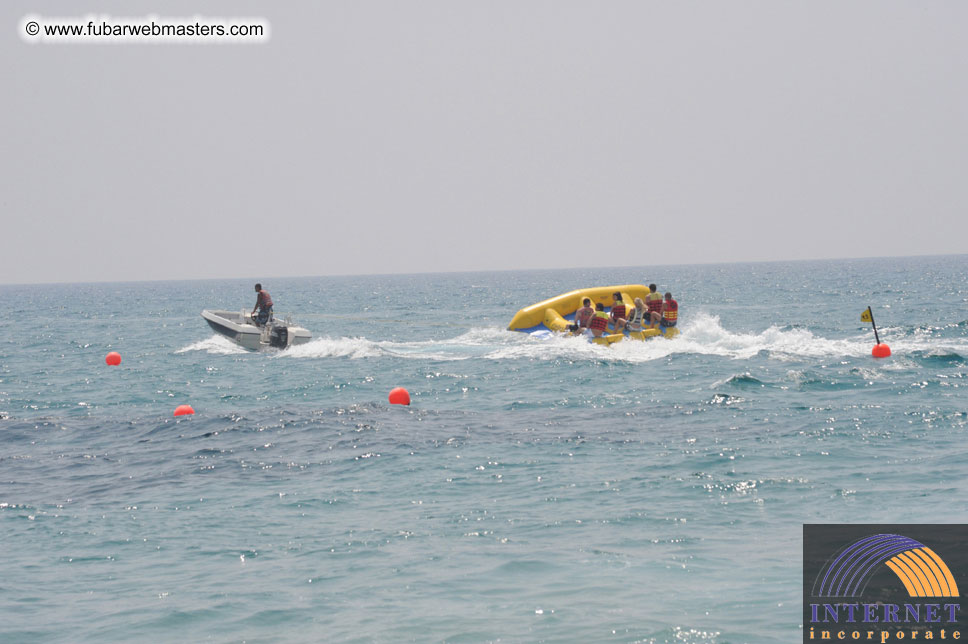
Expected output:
(880, 350)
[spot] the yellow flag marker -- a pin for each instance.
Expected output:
(880, 350)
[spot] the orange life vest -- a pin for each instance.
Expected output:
(671, 312)
(654, 302)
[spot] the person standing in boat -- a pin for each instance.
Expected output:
(263, 304)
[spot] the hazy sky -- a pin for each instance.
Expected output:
(401, 136)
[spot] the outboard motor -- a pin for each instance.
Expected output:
(279, 337)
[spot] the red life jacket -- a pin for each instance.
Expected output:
(599, 322)
(671, 312)
(618, 310)
(263, 301)
(654, 302)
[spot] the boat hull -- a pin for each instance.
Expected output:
(235, 326)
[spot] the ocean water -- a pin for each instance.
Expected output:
(535, 490)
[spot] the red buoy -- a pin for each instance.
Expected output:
(881, 351)
(184, 410)
(399, 396)
(113, 358)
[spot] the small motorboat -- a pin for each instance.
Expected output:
(239, 326)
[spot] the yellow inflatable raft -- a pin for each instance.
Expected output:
(555, 314)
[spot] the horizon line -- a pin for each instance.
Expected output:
(458, 272)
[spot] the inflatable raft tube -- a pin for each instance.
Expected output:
(549, 315)
(531, 318)
(645, 334)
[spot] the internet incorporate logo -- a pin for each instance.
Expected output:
(922, 572)
(879, 583)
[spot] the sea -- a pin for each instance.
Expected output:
(535, 489)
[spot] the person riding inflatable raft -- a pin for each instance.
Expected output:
(556, 314)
